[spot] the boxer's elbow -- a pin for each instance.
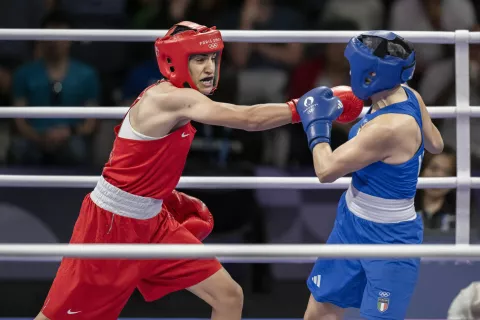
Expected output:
(327, 178)
(253, 124)
(436, 147)
(434, 144)
(326, 175)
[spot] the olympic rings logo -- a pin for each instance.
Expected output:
(213, 45)
(384, 294)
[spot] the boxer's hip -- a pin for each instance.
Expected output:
(378, 209)
(115, 200)
(111, 215)
(98, 225)
(350, 227)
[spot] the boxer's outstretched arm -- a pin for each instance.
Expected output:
(373, 144)
(195, 106)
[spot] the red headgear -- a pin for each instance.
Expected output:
(174, 51)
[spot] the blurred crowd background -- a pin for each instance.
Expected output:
(62, 73)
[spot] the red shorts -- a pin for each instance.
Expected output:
(99, 289)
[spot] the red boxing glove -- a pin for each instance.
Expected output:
(352, 106)
(191, 213)
(293, 108)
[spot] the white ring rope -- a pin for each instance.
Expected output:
(119, 112)
(248, 252)
(57, 259)
(299, 36)
(244, 253)
(35, 181)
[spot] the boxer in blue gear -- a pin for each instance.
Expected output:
(384, 154)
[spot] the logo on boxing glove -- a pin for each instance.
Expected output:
(339, 104)
(309, 105)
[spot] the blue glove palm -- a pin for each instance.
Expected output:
(318, 108)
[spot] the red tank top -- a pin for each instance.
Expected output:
(149, 168)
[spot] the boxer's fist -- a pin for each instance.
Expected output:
(317, 109)
(352, 106)
(191, 213)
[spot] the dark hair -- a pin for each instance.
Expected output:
(180, 29)
(381, 47)
(447, 151)
(57, 18)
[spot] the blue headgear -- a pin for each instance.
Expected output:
(374, 69)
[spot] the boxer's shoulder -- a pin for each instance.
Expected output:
(391, 126)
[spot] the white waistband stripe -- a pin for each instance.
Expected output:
(115, 200)
(378, 209)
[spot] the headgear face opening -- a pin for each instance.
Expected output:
(173, 52)
(373, 68)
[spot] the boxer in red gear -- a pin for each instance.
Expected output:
(133, 203)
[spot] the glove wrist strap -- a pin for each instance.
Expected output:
(318, 132)
(293, 108)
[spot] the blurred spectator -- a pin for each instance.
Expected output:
(263, 68)
(140, 77)
(53, 80)
(437, 88)
(20, 14)
(367, 14)
(437, 206)
(325, 65)
(5, 84)
(466, 305)
(154, 15)
(5, 100)
(431, 15)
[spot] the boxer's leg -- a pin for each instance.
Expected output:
(204, 277)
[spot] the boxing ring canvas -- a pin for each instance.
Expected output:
(293, 253)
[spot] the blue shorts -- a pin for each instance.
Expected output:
(381, 288)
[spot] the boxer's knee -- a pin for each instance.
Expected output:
(221, 292)
(322, 311)
(231, 297)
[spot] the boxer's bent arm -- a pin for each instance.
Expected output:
(433, 139)
(197, 107)
(371, 145)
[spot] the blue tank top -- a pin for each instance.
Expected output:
(389, 181)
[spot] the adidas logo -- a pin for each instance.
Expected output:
(317, 280)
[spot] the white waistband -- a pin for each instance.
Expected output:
(378, 209)
(115, 200)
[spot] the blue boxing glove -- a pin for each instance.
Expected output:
(318, 108)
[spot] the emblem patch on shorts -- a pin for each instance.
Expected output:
(383, 301)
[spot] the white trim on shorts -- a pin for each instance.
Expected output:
(122, 203)
(379, 210)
